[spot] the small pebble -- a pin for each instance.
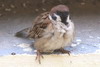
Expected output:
(2, 5)
(0, 14)
(13, 53)
(82, 3)
(24, 4)
(43, 9)
(14, 11)
(36, 10)
(12, 6)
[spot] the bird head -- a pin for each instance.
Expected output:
(60, 13)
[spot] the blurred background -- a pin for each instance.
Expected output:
(31, 7)
(16, 15)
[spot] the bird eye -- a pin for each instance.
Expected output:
(54, 17)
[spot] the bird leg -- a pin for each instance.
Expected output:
(39, 56)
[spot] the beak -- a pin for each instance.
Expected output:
(66, 23)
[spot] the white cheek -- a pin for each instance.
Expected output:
(58, 18)
(68, 19)
(50, 17)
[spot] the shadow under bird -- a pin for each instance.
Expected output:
(51, 31)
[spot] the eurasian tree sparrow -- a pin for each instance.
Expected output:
(52, 30)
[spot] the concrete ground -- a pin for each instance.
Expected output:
(87, 23)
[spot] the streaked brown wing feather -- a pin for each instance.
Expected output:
(40, 24)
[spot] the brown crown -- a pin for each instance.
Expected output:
(60, 8)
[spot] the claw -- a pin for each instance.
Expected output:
(64, 51)
(39, 56)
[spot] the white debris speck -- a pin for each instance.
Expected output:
(35, 50)
(82, 47)
(91, 37)
(97, 51)
(73, 45)
(7, 9)
(23, 45)
(98, 37)
(78, 41)
(27, 49)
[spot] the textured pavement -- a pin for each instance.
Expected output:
(87, 35)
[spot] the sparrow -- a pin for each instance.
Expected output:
(52, 31)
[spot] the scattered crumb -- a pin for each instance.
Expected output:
(98, 37)
(97, 51)
(91, 37)
(35, 50)
(73, 45)
(78, 41)
(23, 45)
(27, 49)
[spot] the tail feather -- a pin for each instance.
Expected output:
(23, 33)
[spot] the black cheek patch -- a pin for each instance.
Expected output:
(63, 16)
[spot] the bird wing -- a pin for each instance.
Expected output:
(39, 25)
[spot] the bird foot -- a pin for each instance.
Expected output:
(64, 51)
(39, 56)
